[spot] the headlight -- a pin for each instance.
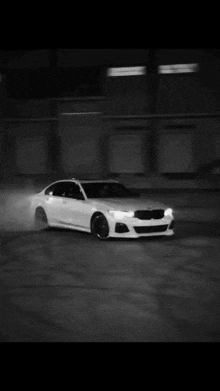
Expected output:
(119, 214)
(168, 212)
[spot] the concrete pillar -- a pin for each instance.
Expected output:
(3, 141)
(152, 89)
(8, 166)
(54, 145)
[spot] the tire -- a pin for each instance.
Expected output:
(41, 221)
(100, 227)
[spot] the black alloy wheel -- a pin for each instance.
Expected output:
(41, 221)
(100, 227)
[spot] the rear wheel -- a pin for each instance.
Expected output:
(41, 221)
(100, 227)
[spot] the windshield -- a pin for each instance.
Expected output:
(107, 190)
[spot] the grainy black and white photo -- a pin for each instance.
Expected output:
(110, 195)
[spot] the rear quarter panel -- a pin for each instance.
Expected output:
(38, 200)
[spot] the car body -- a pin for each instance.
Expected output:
(105, 208)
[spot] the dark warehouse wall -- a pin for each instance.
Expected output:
(86, 135)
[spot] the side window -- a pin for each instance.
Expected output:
(73, 191)
(59, 189)
(65, 189)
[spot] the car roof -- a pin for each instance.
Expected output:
(83, 181)
(95, 180)
(90, 180)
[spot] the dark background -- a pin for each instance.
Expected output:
(80, 72)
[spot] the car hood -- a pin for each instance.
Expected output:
(127, 203)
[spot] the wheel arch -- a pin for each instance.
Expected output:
(97, 213)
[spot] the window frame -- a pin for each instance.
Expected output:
(60, 183)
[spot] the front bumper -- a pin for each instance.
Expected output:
(140, 228)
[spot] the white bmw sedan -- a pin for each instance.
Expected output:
(106, 208)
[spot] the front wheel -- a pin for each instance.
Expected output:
(100, 227)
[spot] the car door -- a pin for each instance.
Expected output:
(74, 206)
(54, 206)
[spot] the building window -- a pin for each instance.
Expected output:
(178, 68)
(126, 71)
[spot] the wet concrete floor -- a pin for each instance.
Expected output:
(65, 286)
